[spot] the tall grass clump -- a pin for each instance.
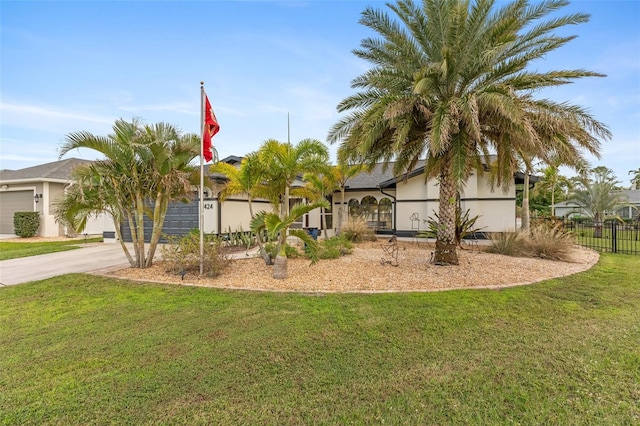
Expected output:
(181, 255)
(545, 242)
(508, 243)
(357, 231)
(552, 243)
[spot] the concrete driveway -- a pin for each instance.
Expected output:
(89, 258)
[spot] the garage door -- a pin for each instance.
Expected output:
(11, 202)
(180, 219)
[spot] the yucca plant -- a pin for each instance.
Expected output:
(464, 225)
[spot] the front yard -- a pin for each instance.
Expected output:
(80, 349)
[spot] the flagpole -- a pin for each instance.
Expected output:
(201, 192)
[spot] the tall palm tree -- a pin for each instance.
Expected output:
(451, 83)
(319, 187)
(553, 183)
(598, 194)
(169, 173)
(635, 180)
(342, 172)
(283, 163)
(249, 179)
(95, 189)
(145, 167)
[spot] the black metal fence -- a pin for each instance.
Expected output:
(608, 236)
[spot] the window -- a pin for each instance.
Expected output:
(384, 213)
(354, 208)
(369, 207)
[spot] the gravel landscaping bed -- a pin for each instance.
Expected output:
(363, 271)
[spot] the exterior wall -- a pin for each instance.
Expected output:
(496, 208)
(51, 192)
(235, 214)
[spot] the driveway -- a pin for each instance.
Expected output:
(89, 258)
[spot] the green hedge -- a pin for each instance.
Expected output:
(26, 224)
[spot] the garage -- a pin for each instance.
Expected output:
(11, 202)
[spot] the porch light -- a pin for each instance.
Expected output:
(37, 197)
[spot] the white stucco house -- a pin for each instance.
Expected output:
(36, 189)
(390, 204)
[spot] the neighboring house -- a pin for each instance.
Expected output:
(570, 208)
(36, 189)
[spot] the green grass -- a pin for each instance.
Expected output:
(13, 250)
(80, 349)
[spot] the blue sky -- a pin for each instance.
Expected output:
(70, 66)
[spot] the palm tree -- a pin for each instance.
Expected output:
(169, 173)
(278, 227)
(598, 195)
(283, 163)
(342, 172)
(145, 167)
(635, 180)
(451, 83)
(249, 180)
(94, 189)
(553, 182)
(318, 187)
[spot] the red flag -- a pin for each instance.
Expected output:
(210, 128)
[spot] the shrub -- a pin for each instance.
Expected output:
(550, 243)
(357, 231)
(509, 243)
(26, 224)
(182, 255)
(334, 247)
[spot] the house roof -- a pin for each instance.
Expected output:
(378, 177)
(55, 171)
(232, 159)
(632, 197)
(382, 176)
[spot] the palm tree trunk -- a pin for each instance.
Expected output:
(139, 216)
(340, 212)
(553, 193)
(445, 252)
(526, 214)
(118, 225)
(159, 215)
(263, 252)
(134, 238)
(280, 266)
(323, 215)
(597, 222)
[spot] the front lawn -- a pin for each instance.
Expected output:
(80, 349)
(13, 250)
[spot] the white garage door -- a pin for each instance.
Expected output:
(11, 202)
